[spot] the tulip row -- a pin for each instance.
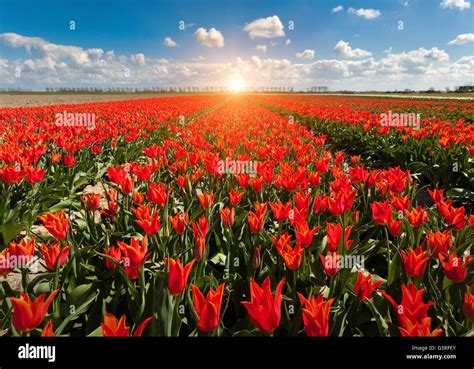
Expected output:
(438, 148)
(307, 242)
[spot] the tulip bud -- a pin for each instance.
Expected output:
(256, 259)
(468, 307)
(355, 216)
(199, 248)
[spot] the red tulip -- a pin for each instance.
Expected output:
(302, 200)
(454, 216)
(227, 217)
(455, 268)
(134, 255)
(315, 313)
(92, 201)
(57, 224)
(127, 185)
(6, 266)
(47, 330)
(206, 200)
(419, 329)
(51, 254)
(304, 235)
(264, 309)
(330, 263)
(280, 211)
(179, 222)
(336, 204)
(199, 248)
(208, 309)
(235, 197)
(436, 195)
(415, 261)
(439, 242)
(417, 217)
(333, 236)
(114, 253)
(138, 198)
(28, 314)
(201, 228)
(158, 194)
(401, 203)
(364, 287)
(320, 204)
(69, 161)
(381, 212)
(394, 227)
(314, 179)
(113, 327)
(35, 175)
(23, 248)
(256, 222)
(150, 223)
(291, 256)
(412, 312)
(178, 276)
(468, 306)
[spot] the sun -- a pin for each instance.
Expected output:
(236, 84)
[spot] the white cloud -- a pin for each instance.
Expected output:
(211, 38)
(462, 39)
(343, 49)
(168, 41)
(287, 42)
(269, 27)
(110, 55)
(365, 13)
(307, 54)
(138, 59)
(455, 4)
(337, 9)
(45, 64)
(262, 48)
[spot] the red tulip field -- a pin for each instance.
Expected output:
(237, 215)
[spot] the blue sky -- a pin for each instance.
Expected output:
(131, 28)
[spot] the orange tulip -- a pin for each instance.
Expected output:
(51, 254)
(113, 327)
(206, 200)
(227, 217)
(208, 309)
(179, 222)
(177, 276)
(264, 309)
(316, 315)
(364, 287)
(57, 224)
(134, 255)
(28, 314)
(415, 261)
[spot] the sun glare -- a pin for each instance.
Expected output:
(236, 84)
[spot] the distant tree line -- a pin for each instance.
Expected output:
(174, 89)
